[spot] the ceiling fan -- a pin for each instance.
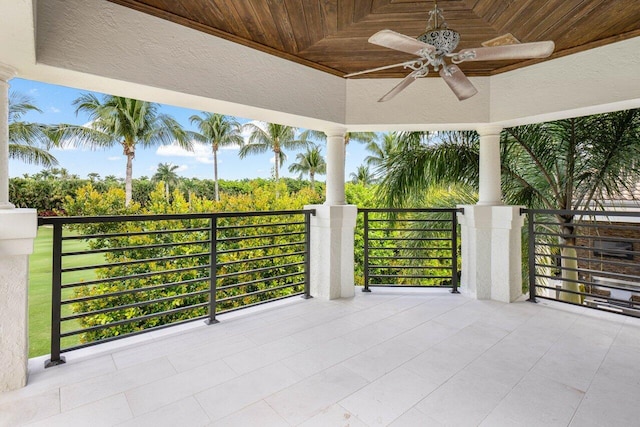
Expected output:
(436, 44)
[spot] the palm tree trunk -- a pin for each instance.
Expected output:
(215, 174)
(312, 178)
(166, 190)
(128, 187)
(570, 269)
(276, 170)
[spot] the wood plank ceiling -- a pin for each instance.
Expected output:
(331, 35)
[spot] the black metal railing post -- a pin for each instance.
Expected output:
(366, 251)
(454, 252)
(532, 256)
(213, 269)
(56, 298)
(307, 255)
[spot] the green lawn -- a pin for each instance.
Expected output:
(40, 285)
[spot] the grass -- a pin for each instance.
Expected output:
(40, 285)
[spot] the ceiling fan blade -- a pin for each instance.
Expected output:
(512, 51)
(397, 41)
(399, 87)
(458, 82)
(386, 67)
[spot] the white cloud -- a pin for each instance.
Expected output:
(33, 91)
(114, 158)
(182, 168)
(201, 152)
(54, 109)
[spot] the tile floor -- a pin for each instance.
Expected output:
(399, 358)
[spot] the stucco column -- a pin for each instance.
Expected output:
(335, 168)
(490, 192)
(332, 230)
(6, 74)
(17, 230)
(491, 252)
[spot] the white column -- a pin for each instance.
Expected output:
(491, 252)
(17, 230)
(332, 230)
(490, 192)
(335, 168)
(6, 74)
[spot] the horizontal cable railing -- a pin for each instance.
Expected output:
(410, 248)
(584, 257)
(119, 276)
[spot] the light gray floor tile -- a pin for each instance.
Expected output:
(321, 357)
(308, 397)
(536, 401)
(415, 418)
(30, 409)
(106, 412)
(335, 416)
(185, 412)
(231, 396)
(97, 388)
(385, 399)
(266, 354)
(381, 359)
(465, 400)
(608, 403)
(157, 394)
(258, 414)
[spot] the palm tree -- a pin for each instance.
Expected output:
(166, 173)
(26, 139)
(380, 151)
(130, 123)
(218, 131)
(564, 165)
(272, 137)
(311, 162)
(362, 175)
(363, 137)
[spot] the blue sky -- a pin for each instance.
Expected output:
(56, 105)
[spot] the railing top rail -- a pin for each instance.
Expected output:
(50, 220)
(580, 212)
(402, 210)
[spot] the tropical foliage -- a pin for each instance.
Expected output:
(129, 122)
(310, 162)
(171, 261)
(265, 137)
(218, 131)
(166, 173)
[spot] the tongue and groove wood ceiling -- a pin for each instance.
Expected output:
(331, 35)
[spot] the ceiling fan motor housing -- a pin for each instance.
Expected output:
(444, 40)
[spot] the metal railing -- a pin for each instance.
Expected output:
(410, 248)
(587, 258)
(119, 276)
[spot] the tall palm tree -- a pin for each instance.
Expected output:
(380, 151)
(218, 131)
(362, 175)
(310, 162)
(363, 137)
(130, 123)
(166, 173)
(26, 140)
(564, 165)
(272, 137)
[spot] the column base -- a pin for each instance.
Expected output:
(18, 228)
(491, 252)
(332, 262)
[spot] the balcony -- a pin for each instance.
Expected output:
(390, 357)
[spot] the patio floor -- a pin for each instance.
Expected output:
(392, 357)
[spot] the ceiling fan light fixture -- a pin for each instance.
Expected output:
(444, 40)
